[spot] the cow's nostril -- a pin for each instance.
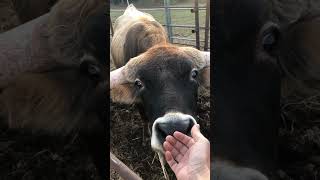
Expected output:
(169, 127)
(162, 129)
(191, 123)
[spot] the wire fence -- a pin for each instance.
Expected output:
(185, 25)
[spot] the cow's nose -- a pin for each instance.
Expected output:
(169, 127)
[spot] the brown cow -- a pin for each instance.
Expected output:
(53, 76)
(163, 79)
(246, 91)
(253, 55)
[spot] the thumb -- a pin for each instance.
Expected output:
(195, 133)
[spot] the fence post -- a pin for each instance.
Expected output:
(197, 29)
(166, 4)
(207, 26)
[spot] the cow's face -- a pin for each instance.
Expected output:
(165, 81)
(93, 62)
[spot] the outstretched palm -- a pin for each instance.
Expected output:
(188, 157)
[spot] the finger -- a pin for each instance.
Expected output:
(170, 139)
(186, 140)
(169, 147)
(175, 147)
(182, 148)
(196, 134)
(172, 163)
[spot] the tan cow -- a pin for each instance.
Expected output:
(134, 33)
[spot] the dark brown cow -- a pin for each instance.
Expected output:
(250, 62)
(246, 91)
(53, 75)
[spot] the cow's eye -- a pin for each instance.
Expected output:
(270, 35)
(269, 41)
(194, 73)
(93, 70)
(138, 84)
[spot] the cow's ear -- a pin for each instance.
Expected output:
(123, 93)
(201, 60)
(121, 90)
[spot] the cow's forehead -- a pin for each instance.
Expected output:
(159, 55)
(165, 65)
(164, 55)
(160, 59)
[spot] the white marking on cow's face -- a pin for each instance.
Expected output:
(157, 137)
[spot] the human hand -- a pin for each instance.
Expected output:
(189, 158)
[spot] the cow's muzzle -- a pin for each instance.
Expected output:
(167, 125)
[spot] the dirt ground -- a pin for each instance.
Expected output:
(299, 142)
(129, 145)
(24, 156)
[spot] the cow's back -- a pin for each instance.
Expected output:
(134, 33)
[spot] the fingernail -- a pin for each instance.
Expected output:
(198, 126)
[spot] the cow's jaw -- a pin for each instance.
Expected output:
(157, 137)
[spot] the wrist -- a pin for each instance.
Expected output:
(204, 174)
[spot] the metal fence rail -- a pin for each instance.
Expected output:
(160, 8)
(196, 28)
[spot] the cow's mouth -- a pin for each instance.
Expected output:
(167, 125)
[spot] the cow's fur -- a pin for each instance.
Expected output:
(56, 102)
(124, 91)
(47, 41)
